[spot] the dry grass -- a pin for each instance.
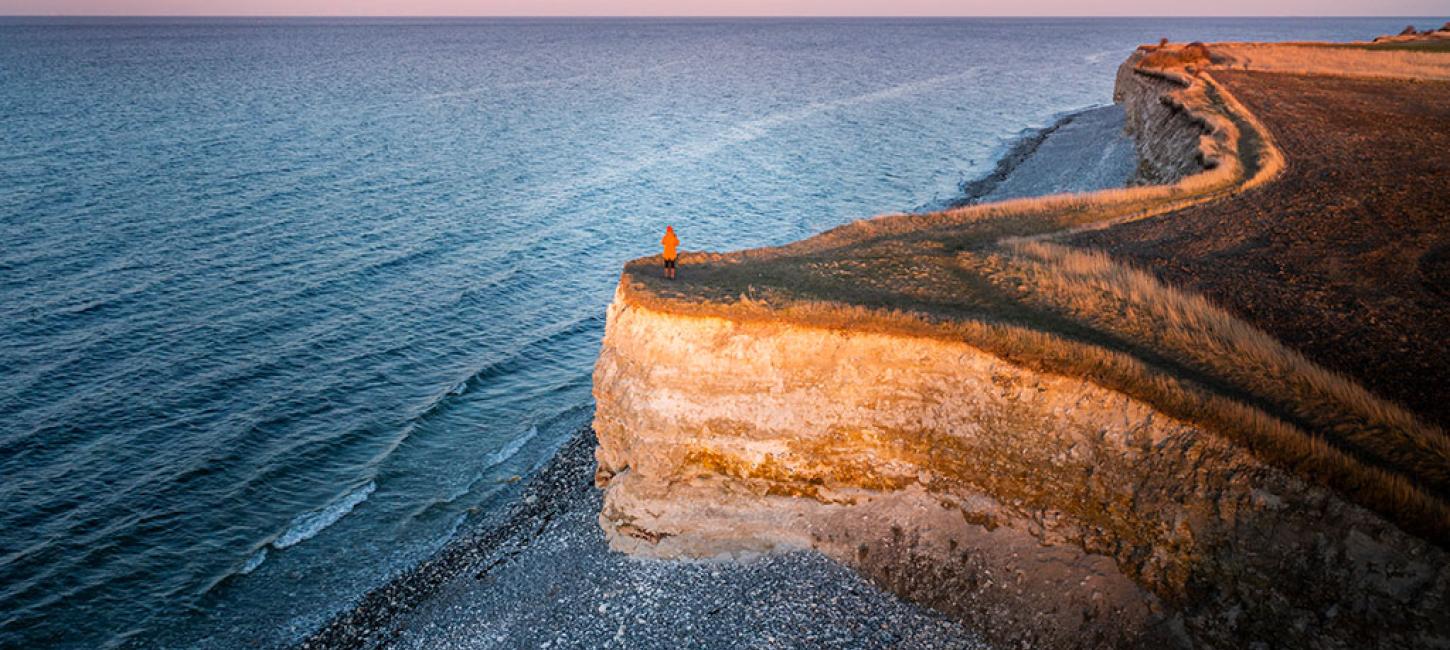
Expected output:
(1436, 45)
(1091, 288)
(986, 275)
(1193, 54)
(1335, 60)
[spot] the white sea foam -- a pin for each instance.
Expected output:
(509, 450)
(457, 523)
(512, 448)
(255, 561)
(306, 526)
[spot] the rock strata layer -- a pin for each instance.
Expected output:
(1043, 510)
(1165, 134)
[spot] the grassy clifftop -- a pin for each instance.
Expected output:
(1027, 282)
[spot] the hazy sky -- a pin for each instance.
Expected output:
(727, 7)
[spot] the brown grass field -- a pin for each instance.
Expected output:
(1291, 308)
(1441, 45)
(1338, 257)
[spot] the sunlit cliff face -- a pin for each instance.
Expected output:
(1029, 504)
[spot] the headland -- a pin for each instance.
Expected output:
(1180, 413)
(1169, 414)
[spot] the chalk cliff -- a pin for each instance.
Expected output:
(1047, 510)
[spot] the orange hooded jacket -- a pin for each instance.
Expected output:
(671, 243)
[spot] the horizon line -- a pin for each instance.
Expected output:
(710, 17)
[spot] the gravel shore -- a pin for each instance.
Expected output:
(1081, 152)
(545, 578)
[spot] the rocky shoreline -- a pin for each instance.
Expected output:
(1082, 151)
(543, 576)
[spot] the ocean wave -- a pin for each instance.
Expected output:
(511, 449)
(316, 521)
(495, 459)
(508, 451)
(255, 561)
(482, 285)
(308, 525)
(510, 362)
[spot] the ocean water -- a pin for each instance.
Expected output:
(284, 305)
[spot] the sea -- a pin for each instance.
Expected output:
(285, 305)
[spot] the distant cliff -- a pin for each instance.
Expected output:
(1166, 134)
(1047, 508)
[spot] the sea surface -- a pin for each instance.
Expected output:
(286, 304)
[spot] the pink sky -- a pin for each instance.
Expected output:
(725, 7)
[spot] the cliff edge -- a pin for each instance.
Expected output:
(988, 416)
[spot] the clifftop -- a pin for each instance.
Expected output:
(943, 398)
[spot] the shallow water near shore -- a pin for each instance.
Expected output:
(284, 305)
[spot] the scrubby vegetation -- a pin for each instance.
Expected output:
(1164, 56)
(1437, 45)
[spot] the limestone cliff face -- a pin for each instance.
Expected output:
(1165, 134)
(1047, 511)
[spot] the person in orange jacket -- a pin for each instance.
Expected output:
(672, 251)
